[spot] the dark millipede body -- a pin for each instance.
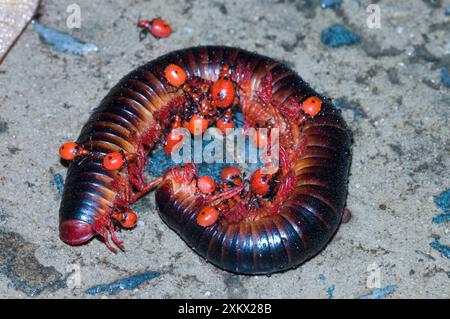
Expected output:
(136, 114)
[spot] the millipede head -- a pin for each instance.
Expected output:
(75, 232)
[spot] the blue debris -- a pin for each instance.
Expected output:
(447, 11)
(63, 42)
(445, 77)
(238, 119)
(444, 250)
(123, 284)
(380, 293)
(344, 104)
(443, 201)
(330, 291)
(324, 4)
(322, 277)
(58, 181)
(441, 218)
(337, 36)
(159, 162)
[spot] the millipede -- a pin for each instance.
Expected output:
(268, 222)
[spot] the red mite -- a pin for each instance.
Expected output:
(127, 219)
(222, 93)
(207, 217)
(173, 140)
(175, 75)
(231, 174)
(198, 125)
(159, 28)
(225, 123)
(113, 161)
(206, 184)
(312, 106)
(260, 183)
(266, 223)
(70, 150)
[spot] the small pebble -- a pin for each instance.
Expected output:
(140, 223)
(399, 30)
(188, 30)
(409, 51)
(346, 216)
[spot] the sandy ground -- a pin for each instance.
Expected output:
(392, 97)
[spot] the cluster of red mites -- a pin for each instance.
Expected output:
(213, 102)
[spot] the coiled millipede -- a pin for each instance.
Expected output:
(267, 223)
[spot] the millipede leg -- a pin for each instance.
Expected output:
(146, 189)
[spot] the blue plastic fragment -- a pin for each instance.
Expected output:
(123, 284)
(322, 277)
(330, 291)
(380, 293)
(447, 11)
(443, 202)
(444, 250)
(324, 4)
(445, 77)
(441, 218)
(63, 42)
(337, 36)
(58, 181)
